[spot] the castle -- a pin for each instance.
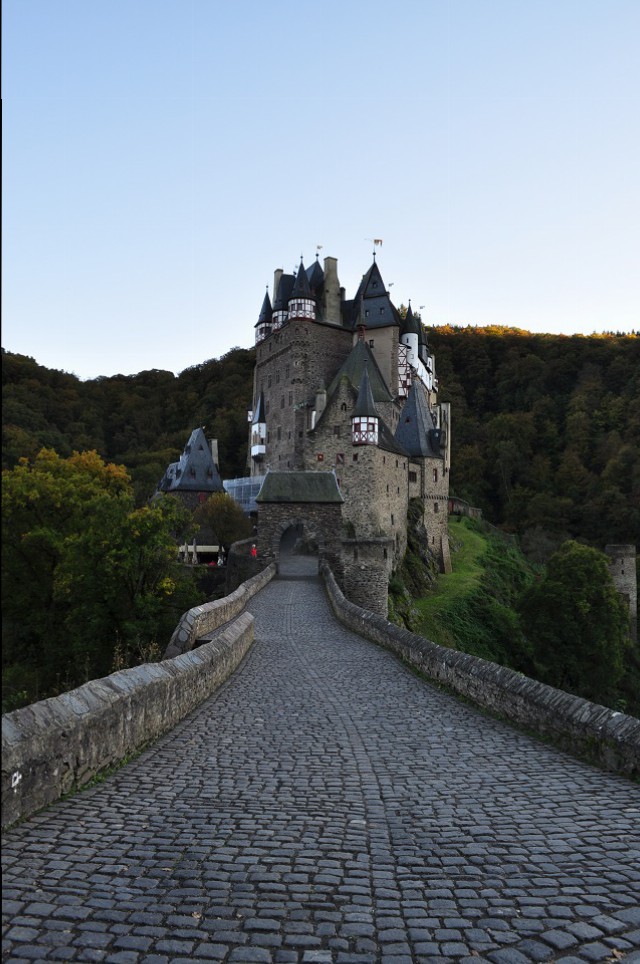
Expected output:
(346, 427)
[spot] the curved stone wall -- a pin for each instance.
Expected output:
(60, 744)
(586, 729)
(204, 620)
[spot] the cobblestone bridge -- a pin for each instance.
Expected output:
(326, 805)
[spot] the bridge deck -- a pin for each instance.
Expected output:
(328, 806)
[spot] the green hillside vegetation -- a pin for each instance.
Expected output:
(563, 623)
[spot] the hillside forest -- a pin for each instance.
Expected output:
(545, 439)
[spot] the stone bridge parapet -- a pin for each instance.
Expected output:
(59, 744)
(597, 733)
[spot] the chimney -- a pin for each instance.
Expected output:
(213, 442)
(277, 274)
(331, 291)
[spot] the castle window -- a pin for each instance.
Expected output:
(279, 433)
(387, 490)
(382, 311)
(436, 507)
(366, 312)
(320, 457)
(435, 475)
(277, 377)
(340, 458)
(336, 430)
(355, 456)
(384, 553)
(269, 382)
(392, 519)
(371, 343)
(343, 407)
(413, 476)
(282, 401)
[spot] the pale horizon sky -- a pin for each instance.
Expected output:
(162, 158)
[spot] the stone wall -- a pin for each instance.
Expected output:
(366, 572)
(291, 363)
(321, 523)
(586, 729)
(203, 620)
(60, 744)
(622, 566)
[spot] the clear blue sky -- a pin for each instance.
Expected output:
(162, 157)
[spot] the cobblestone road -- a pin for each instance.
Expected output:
(328, 806)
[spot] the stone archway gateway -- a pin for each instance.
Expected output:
(303, 507)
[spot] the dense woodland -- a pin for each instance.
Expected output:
(545, 439)
(545, 428)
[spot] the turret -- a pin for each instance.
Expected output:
(410, 336)
(263, 326)
(364, 419)
(282, 285)
(302, 303)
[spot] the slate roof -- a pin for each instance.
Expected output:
(416, 431)
(372, 305)
(410, 325)
(282, 295)
(315, 274)
(299, 487)
(301, 286)
(365, 405)
(195, 471)
(359, 358)
(265, 311)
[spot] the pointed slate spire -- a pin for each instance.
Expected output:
(264, 318)
(301, 286)
(365, 405)
(410, 325)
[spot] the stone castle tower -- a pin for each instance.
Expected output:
(347, 387)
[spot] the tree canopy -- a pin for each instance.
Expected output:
(89, 580)
(578, 624)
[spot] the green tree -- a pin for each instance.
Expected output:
(225, 517)
(85, 573)
(577, 624)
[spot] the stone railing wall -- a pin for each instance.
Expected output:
(57, 745)
(203, 620)
(608, 738)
